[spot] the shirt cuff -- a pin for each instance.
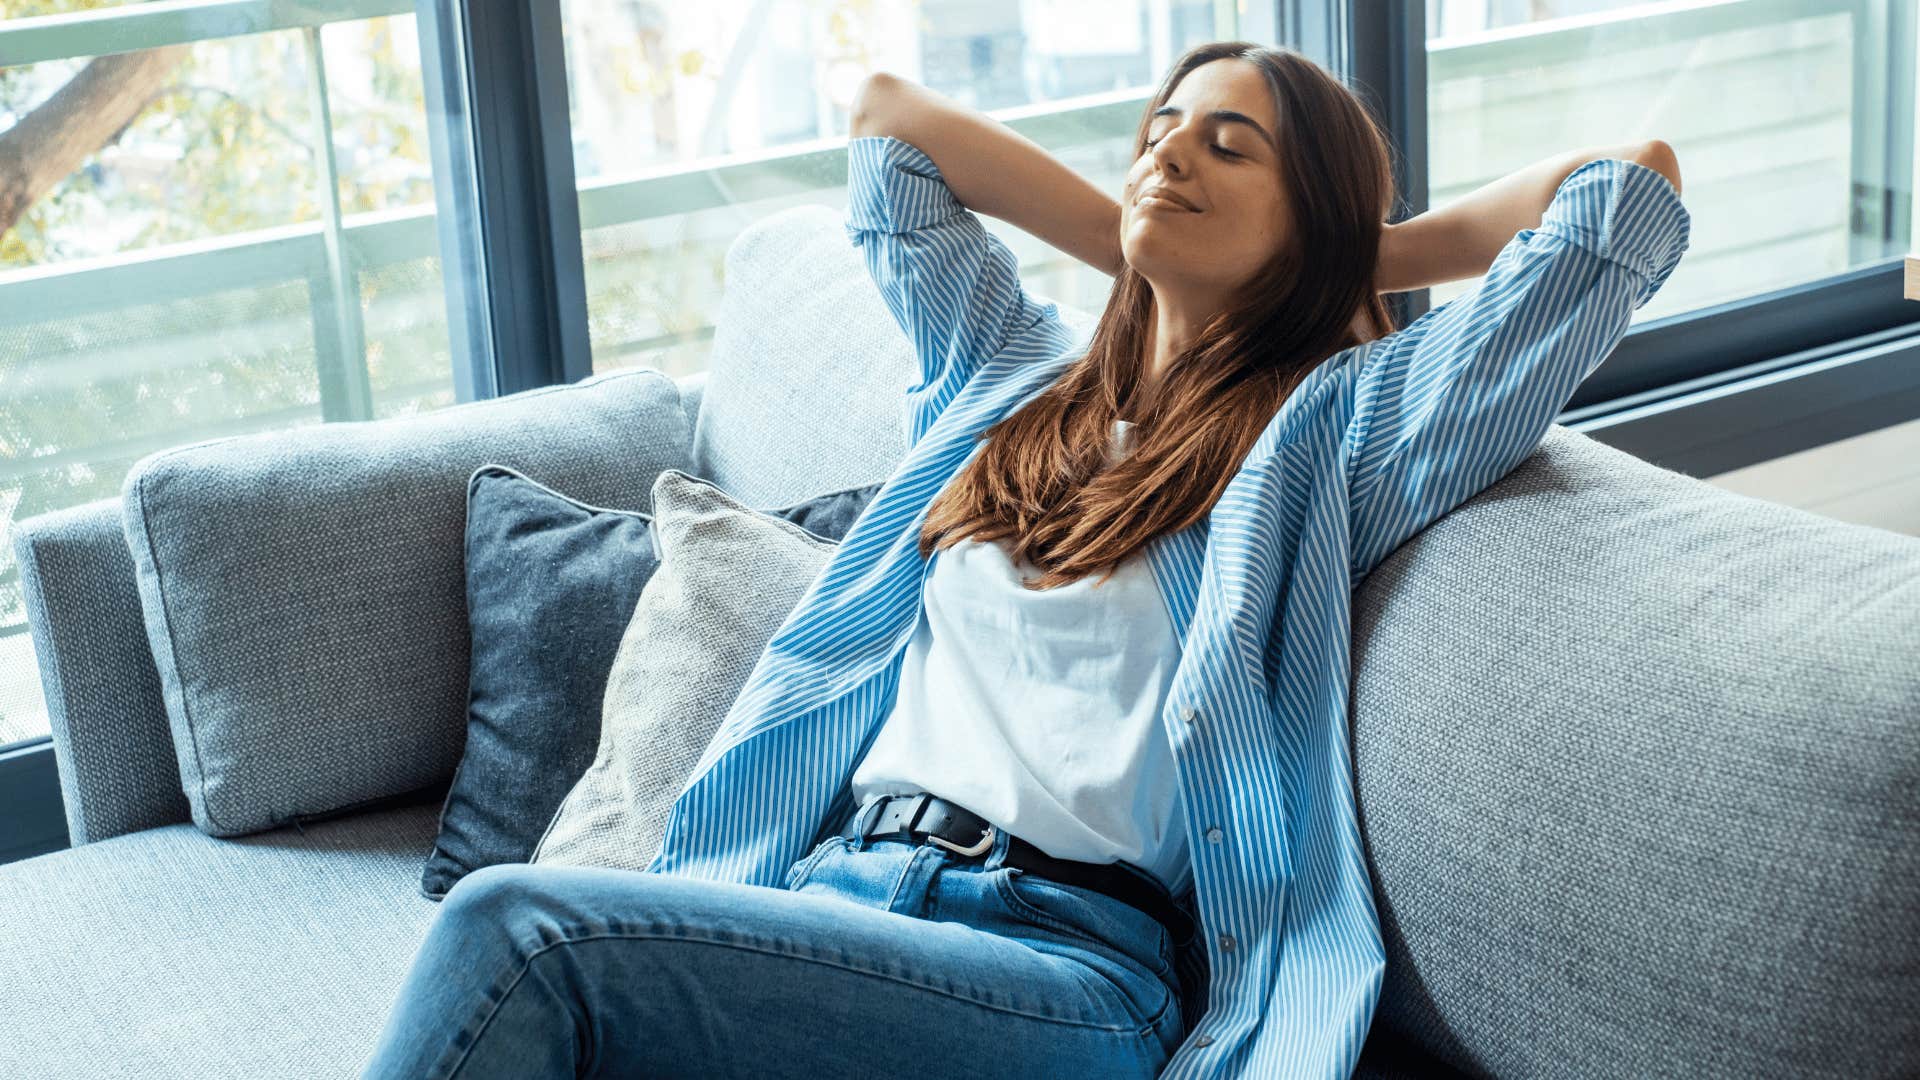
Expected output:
(1626, 212)
(892, 186)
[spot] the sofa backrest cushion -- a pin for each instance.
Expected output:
(1638, 768)
(806, 385)
(304, 595)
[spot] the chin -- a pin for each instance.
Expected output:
(1139, 256)
(1142, 262)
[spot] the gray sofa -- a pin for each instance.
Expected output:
(1638, 759)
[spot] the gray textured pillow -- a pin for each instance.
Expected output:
(728, 577)
(304, 597)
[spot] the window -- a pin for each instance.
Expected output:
(1793, 122)
(691, 121)
(207, 236)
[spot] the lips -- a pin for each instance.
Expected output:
(1170, 196)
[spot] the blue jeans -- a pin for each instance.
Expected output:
(877, 958)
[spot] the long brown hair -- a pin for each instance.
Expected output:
(1043, 481)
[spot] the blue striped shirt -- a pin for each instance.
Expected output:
(1378, 441)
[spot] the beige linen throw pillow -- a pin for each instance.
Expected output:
(728, 577)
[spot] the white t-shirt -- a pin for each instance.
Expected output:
(1040, 711)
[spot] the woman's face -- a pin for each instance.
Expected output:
(1227, 168)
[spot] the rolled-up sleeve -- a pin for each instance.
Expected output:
(1462, 395)
(952, 286)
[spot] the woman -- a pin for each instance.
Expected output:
(1047, 774)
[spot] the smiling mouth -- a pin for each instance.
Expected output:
(1162, 202)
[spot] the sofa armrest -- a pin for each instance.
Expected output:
(111, 741)
(693, 388)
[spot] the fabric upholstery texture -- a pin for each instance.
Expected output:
(727, 579)
(776, 382)
(692, 388)
(189, 957)
(105, 712)
(551, 586)
(172, 955)
(303, 596)
(1638, 764)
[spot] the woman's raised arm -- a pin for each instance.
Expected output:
(1461, 239)
(995, 170)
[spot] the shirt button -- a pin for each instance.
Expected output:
(1203, 1040)
(1226, 942)
(1214, 835)
(1187, 714)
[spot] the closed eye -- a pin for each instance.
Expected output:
(1223, 150)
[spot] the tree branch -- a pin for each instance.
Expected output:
(89, 112)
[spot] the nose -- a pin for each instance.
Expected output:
(1162, 156)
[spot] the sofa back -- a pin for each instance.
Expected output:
(1638, 767)
(806, 387)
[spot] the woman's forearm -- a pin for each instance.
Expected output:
(1461, 239)
(995, 170)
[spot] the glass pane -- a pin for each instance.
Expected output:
(755, 97)
(1792, 121)
(173, 266)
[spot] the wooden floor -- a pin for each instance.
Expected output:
(1871, 479)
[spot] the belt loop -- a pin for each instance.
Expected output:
(918, 808)
(861, 819)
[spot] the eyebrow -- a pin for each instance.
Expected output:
(1225, 116)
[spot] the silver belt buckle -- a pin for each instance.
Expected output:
(986, 841)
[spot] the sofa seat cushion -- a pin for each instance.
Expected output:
(171, 955)
(175, 956)
(168, 954)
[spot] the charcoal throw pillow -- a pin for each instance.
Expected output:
(728, 578)
(551, 586)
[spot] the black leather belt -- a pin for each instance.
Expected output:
(926, 817)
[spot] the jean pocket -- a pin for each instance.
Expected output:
(797, 873)
(1089, 915)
